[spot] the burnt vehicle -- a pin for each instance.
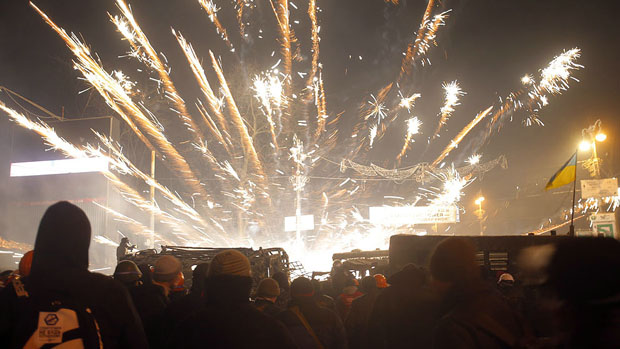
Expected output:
(263, 262)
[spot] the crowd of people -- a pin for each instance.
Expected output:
(53, 300)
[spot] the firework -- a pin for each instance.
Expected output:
(452, 92)
(413, 128)
(211, 9)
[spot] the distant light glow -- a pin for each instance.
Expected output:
(55, 167)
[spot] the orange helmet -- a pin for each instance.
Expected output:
(25, 264)
(381, 281)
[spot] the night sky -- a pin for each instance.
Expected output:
(487, 45)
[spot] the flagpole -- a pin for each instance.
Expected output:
(571, 231)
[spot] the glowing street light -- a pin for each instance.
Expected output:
(590, 136)
(478, 202)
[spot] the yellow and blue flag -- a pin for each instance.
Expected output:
(565, 175)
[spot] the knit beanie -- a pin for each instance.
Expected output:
(268, 288)
(229, 262)
(166, 268)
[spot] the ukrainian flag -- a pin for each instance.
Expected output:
(565, 175)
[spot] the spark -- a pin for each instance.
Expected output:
(408, 102)
(413, 128)
(474, 159)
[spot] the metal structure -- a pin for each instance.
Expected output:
(364, 262)
(263, 262)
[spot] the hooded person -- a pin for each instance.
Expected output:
(312, 326)
(60, 272)
(228, 319)
(128, 274)
(476, 315)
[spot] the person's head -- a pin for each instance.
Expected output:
(301, 288)
(368, 284)
(381, 281)
(125, 240)
(282, 280)
(62, 240)
(167, 271)
(198, 277)
(268, 289)
(453, 262)
(128, 273)
(229, 277)
(25, 264)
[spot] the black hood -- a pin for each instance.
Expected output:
(62, 240)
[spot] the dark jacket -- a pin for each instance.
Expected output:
(59, 270)
(267, 307)
(151, 302)
(324, 322)
(404, 314)
(478, 317)
(228, 320)
(356, 323)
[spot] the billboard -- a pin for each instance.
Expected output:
(305, 223)
(597, 188)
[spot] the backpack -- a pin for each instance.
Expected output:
(56, 321)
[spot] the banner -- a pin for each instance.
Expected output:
(604, 223)
(408, 215)
(597, 188)
(305, 223)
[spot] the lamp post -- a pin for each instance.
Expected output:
(478, 202)
(590, 136)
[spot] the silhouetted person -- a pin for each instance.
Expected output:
(476, 315)
(124, 248)
(312, 326)
(356, 323)
(228, 319)
(405, 313)
(583, 272)
(345, 299)
(128, 274)
(321, 298)
(60, 273)
(283, 283)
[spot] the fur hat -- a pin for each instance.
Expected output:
(229, 262)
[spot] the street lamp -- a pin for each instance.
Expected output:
(478, 202)
(590, 136)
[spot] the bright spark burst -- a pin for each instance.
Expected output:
(474, 159)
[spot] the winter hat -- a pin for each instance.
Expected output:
(268, 288)
(302, 287)
(368, 284)
(127, 272)
(166, 268)
(454, 261)
(229, 262)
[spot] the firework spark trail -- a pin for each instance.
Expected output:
(169, 88)
(89, 67)
(281, 12)
(430, 35)
(239, 123)
(413, 128)
(56, 142)
(201, 78)
(459, 137)
(412, 49)
(122, 162)
(136, 226)
(240, 7)
(108, 87)
(211, 8)
(452, 92)
(408, 102)
(269, 91)
(452, 188)
(314, 31)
